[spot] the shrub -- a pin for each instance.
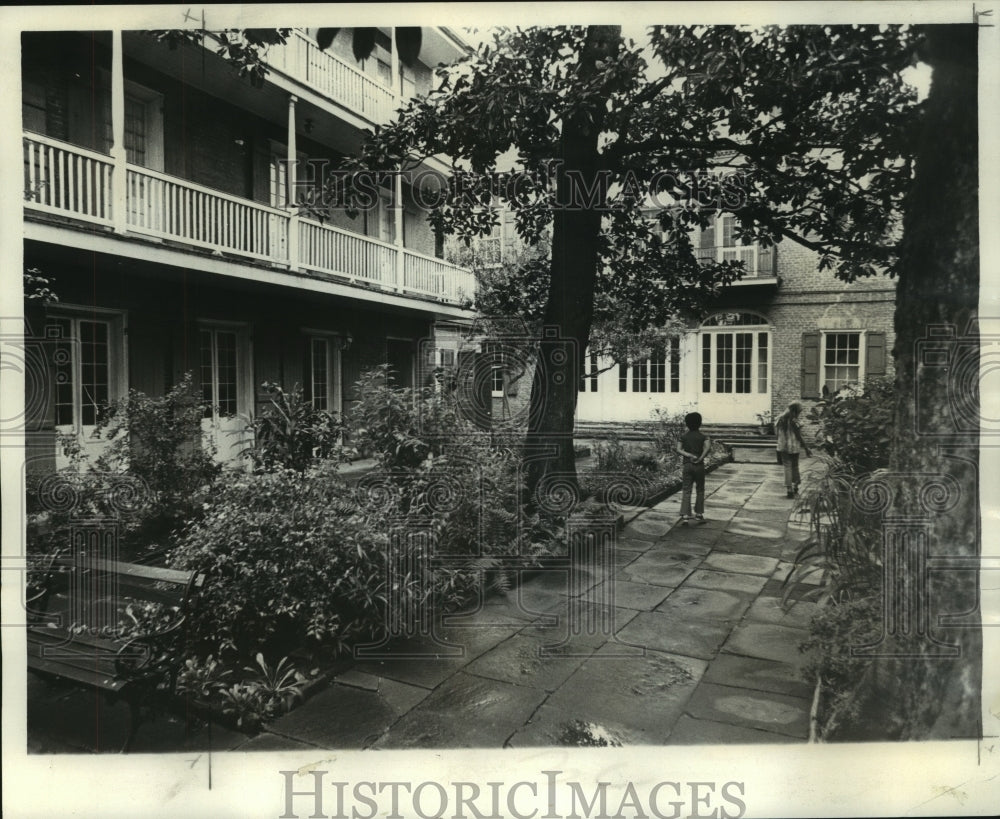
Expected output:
(402, 427)
(612, 456)
(855, 426)
(153, 476)
(668, 428)
(289, 556)
(290, 433)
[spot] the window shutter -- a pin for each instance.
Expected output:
(875, 354)
(810, 365)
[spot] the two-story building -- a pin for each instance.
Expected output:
(785, 332)
(156, 199)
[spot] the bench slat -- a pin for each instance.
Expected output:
(135, 570)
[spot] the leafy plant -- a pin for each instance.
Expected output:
(152, 477)
(403, 427)
(856, 426)
(203, 678)
(290, 433)
(292, 557)
(842, 557)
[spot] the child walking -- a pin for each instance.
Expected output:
(790, 444)
(693, 447)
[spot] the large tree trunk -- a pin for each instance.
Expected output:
(570, 306)
(936, 435)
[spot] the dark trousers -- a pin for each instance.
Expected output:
(693, 475)
(791, 463)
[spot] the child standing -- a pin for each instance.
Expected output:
(693, 447)
(790, 444)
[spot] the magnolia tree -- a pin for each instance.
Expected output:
(803, 133)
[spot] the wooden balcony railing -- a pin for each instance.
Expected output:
(70, 181)
(759, 261)
(301, 59)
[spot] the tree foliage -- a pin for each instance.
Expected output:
(808, 131)
(804, 133)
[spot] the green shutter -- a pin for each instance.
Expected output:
(875, 354)
(810, 365)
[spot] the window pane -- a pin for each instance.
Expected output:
(658, 373)
(622, 378)
(761, 362)
(226, 364)
(207, 393)
(842, 358)
(744, 355)
(94, 387)
(63, 364)
(724, 362)
(319, 367)
(639, 377)
(706, 362)
(135, 131)
(675, 365)
(593, 372)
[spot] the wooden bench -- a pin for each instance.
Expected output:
(111, 626)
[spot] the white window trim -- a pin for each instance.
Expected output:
(754, 329)
(117, 355)
(862, 355)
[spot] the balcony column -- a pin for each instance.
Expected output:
(119, 180)
(397, 191)
(291, 175)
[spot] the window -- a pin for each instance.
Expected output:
(718, 243)
(88, 367)
(734, 361)
(219, 372)
(658, 373)
(589, 375)
(661, 372)
(841, 361)
(835, 359)
(278, 181)
(322, 372)
(488, 249)
(143, 135)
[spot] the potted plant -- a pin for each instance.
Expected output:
(766, 424)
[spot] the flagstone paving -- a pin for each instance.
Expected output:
(681, 641)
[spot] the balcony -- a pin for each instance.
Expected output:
(302, 60)
(758, 261)
(68, 181)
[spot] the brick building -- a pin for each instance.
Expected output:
(156, 200)
(785, 332)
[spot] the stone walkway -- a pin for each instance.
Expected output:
(699, 651)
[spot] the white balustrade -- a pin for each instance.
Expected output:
(171, 208)
(66, 179)
(71, 181)
(301, 59)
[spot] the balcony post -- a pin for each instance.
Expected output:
(397, 192)
(119, 181)
(291, 175)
